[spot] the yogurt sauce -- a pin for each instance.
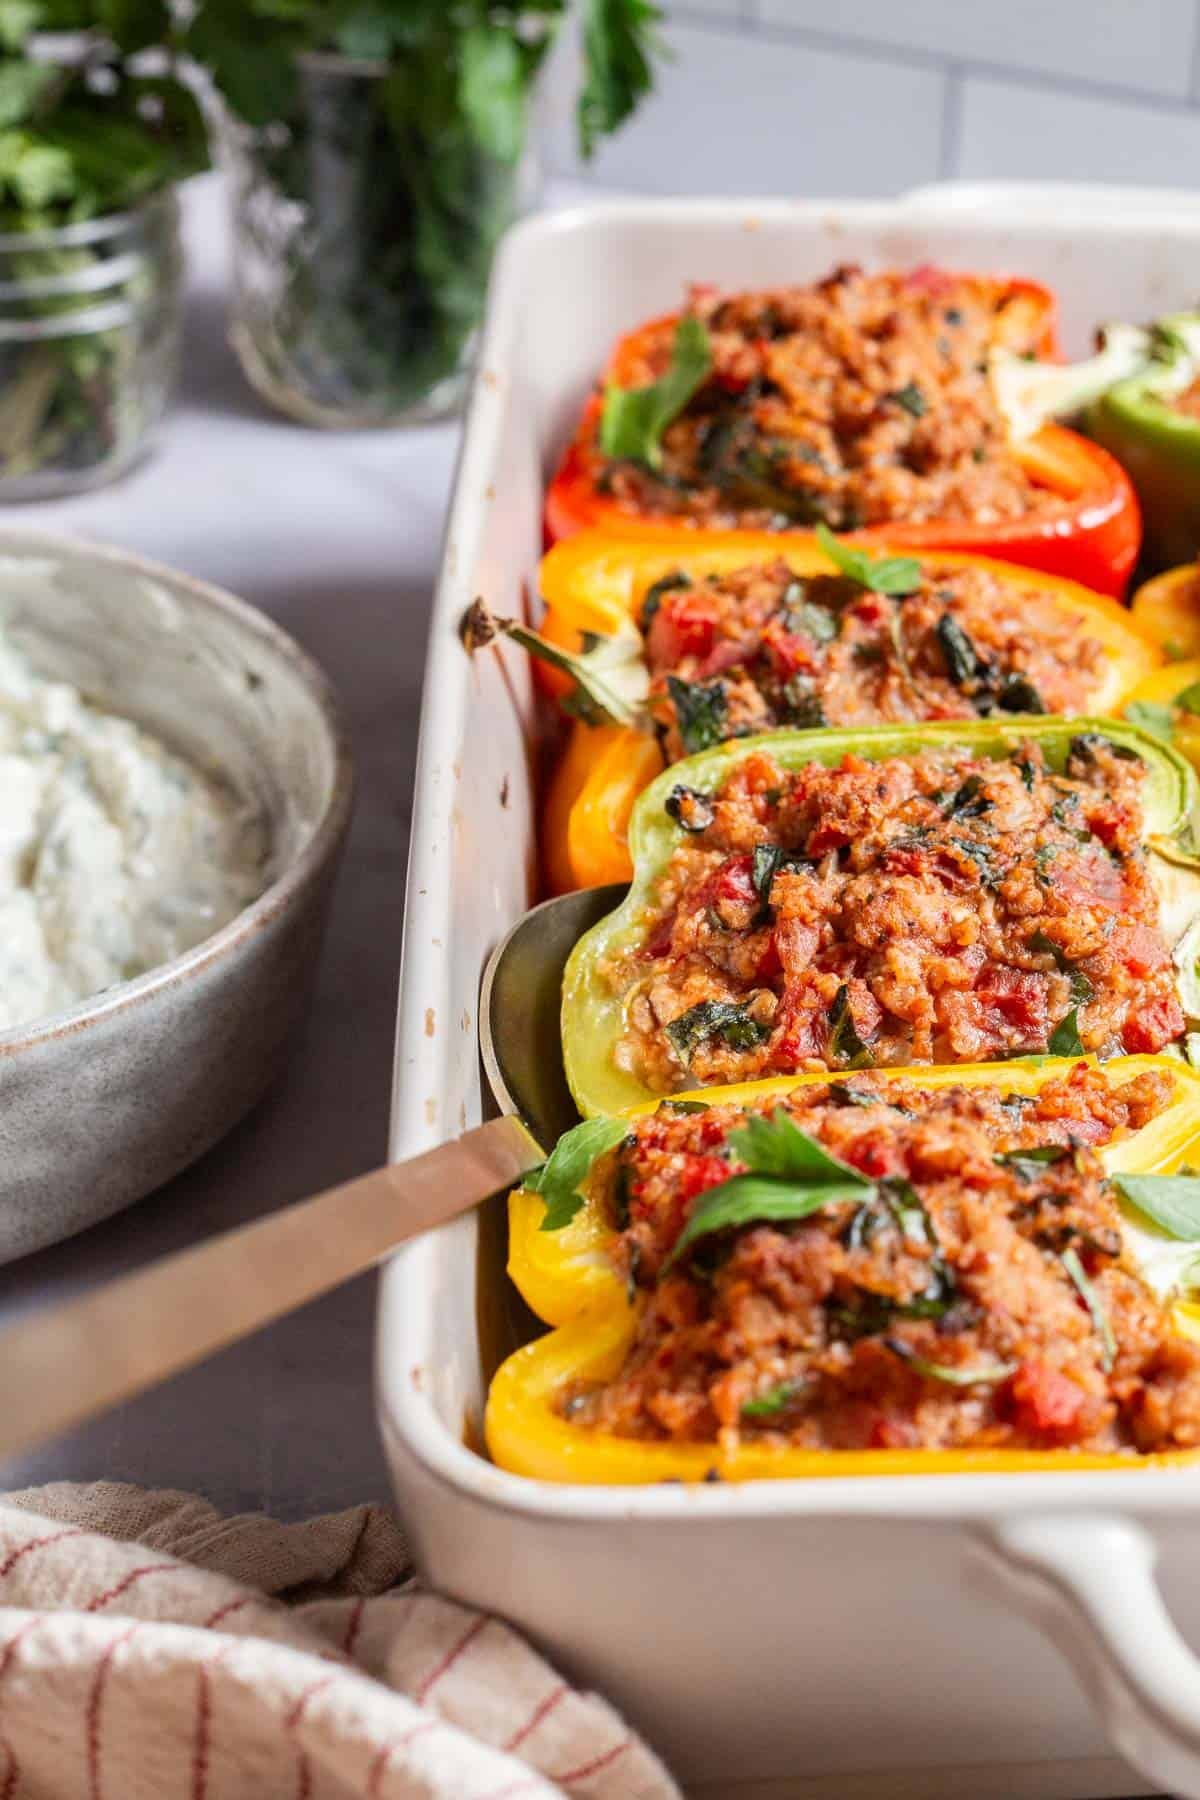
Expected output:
(115, 854)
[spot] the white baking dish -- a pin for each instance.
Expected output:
(779, 1633)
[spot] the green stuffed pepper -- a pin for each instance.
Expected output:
(893, 895)
(1151, 423)
(1138, 397)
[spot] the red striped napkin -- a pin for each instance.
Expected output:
(150, 1649)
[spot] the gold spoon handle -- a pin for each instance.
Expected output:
(63, 1365)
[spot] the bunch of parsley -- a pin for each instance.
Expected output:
(86, 129)
(405, 174)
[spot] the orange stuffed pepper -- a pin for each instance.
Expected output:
(864, 402)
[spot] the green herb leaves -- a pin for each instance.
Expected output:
(558, 1180)
(894, 575)
(619, 42)
(962, 658)
(981, 1375)
(789, 1176)
(845, 1046)
(1158, 720)
(1172, 1202)
(777, 1146)
(634, 419)
(1065, 1039)
(1091, 1299)
(714, 1018)
(700, 712)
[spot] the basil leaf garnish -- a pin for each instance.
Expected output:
(1188, 700)
(767, 858)
(844, 1041)
(777, 1399)
(1027, 1165)
(1091, 1299)
(777, 1146)
(1171, 1201)
(759, 1199)
(1065, 1039)
(634, 419)
(1158, 720)
(558, 1179)
(962, 658)
(699, 712)
(789, 1176)
(715, 1018)
(911, 399)
(983, 1374)
(893, 575)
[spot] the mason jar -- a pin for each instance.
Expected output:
(89, 347)
(364, 227)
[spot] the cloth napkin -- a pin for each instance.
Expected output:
(152, 1650)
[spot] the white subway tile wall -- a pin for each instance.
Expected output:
(797, 97)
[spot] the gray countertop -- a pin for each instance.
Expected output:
(336, 536)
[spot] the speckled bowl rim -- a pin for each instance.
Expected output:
(322, 844)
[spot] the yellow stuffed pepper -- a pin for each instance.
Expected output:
(1166, 702)
(742, 633)
(901, 1272)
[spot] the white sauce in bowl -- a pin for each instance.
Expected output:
(115, 854)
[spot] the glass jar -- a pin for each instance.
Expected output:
(364, 229)
(89, 346)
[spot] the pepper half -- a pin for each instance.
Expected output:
(1093, 539)
(593, 1015)
(568, 1278)
(1168, 610)
(595, 584)
(1155, 442)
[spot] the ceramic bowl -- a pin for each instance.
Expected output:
(100, 1104)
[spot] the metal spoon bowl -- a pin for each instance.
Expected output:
(520, 1032)
(66, 1364)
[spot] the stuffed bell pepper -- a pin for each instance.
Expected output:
(926, 1271)
(864, 402)
(1166, 702)
(740, 633)
(944, 893)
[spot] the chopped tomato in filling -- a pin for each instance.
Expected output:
(932, 908)
(856, 400)
(762, 647)
(978, 1294)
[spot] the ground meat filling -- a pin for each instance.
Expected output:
(980, 1297)
(734, 654)
(858, 400)
(933, 908)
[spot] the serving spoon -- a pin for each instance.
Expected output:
(70, 1362)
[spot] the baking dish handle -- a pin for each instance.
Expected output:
(1089, 1583)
